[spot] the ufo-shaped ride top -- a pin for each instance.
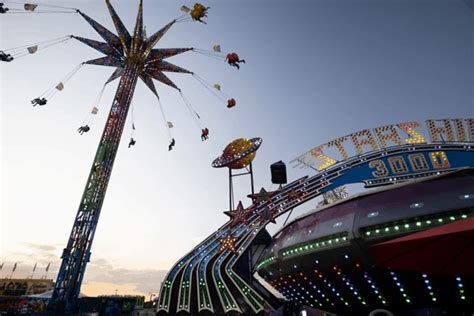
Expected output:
(238, 154)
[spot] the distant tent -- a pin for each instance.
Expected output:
(60, 86)
(217, 86)
(217, 48)
(170, 124)
(32, 49)
(95, 110)
(30, 7)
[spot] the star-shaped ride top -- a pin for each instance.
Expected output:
(134, 50)
(240, 215)
(262, 196)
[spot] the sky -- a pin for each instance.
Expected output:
(315, 70)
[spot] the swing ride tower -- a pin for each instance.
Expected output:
(134, 57)
(77, 253)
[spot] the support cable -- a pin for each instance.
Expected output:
(165, 120)
(49, 93)
(26, 50)
(14, 11)
(89, 118)
(38, 43)
(132, 131)
(196, 117)
(288, 217)
(210, 53)
(184, 18)
(41, 5)
(210, 88)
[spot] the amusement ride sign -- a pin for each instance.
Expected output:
(409, 137)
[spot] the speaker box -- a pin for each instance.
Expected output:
(278, 170)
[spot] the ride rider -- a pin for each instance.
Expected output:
(2, 9)
(39, 101)
(231, 103)
(83, 129)
(171, 145)
(204, 134)
(198, 12)
(234, 60)
(5, 57)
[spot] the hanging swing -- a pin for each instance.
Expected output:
(89, 119)
(33, 8)
(10, 54)
(48, 94)
(216, 91)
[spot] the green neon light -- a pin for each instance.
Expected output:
(249, 293)
(414, 224)
(203, 294)
(266, 261)
(164, 297)
(316, 244)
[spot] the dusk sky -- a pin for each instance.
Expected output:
(316, 70)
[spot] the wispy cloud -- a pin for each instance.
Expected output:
(145, 281)
(102, 274)
(39, 247)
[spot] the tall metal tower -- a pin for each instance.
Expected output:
(134, 57)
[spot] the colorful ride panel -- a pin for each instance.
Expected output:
(211, 278)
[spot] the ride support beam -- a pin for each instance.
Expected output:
(77, 252)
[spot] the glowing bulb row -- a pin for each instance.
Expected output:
(374, 288)
(429, 287)
(347, 282)
(400, 287)
(460, 286)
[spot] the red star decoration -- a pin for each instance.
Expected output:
(228, 243)
(262, 196)
(240, 215)
(267, 215)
